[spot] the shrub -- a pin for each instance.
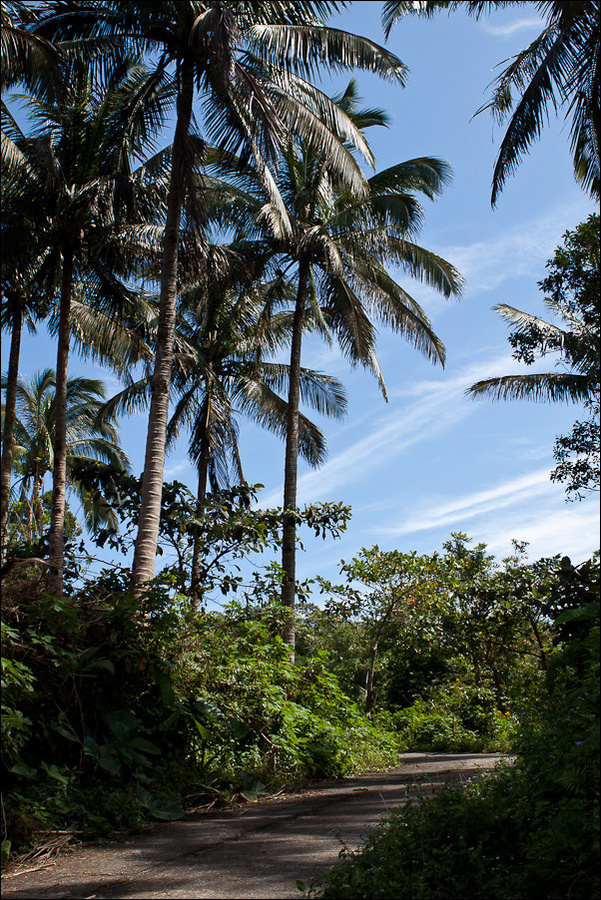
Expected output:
(525, 831)
(113, 713)
(458, 718)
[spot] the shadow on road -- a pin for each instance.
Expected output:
(257, 851)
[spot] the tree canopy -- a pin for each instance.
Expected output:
(572, 290)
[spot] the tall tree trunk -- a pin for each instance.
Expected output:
(152, 478)
(201, 496)
(36, 510)
(35, 493)
(291, 461)
(8, 439)
(56, 549)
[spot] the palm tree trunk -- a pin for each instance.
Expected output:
(30, 513)
(8, 439)
(291, 461)
(56, 551)
(152, 478)
(36, 512)
(201, 496)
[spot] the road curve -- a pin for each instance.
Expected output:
(258, 850)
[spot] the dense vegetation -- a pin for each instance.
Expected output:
(115, 713)
(188, 271)
(527, 830)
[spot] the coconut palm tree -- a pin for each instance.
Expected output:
(88, 437)
(242, 59)
(25, 58)
(560, 69)
(220, 372)
(22, 250)
(232, 374)
(335, 256)
(77, 159)
(31, 61)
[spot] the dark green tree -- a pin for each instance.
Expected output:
(240, 60)
(572, 290)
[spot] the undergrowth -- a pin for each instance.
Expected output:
(114, 716)
(525, 831)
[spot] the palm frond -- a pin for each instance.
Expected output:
(324, 138)
(319, 391)
(263, 406)
(14, 162)
(530, 114)
(427, 174)
(131, 400)
(348, 319)
(305, 49)
(425, 266)
(525, 322)
(547, 386)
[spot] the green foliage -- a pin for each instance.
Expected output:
(452, 645)
(112, 713)
(77, 711)
(17, 681)
(573, 284)
(573, 333)
(525, 831)
(18, 538)
(461, 717)
(228, 530)
(117, 710)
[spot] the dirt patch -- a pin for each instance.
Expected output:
(257, 851)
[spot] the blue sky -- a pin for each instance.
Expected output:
(430, 460)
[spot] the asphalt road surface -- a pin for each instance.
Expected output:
(258, 850)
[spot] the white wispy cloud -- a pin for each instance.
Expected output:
(511, 27)
(439, 514)
(435, 405)
(573, 530)
(519, 251)
(177, 467)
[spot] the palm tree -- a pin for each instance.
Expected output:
(561, 68)
(88, 437)
(335, 256)
(220, 372)
(25, 58)
(77, 159)
(22, 254)
(242, 58)
(233, 374)
(32, 61)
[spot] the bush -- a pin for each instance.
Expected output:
(458, 718)
(526, 831)
(113, 714)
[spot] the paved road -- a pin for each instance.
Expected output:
(255, 851)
